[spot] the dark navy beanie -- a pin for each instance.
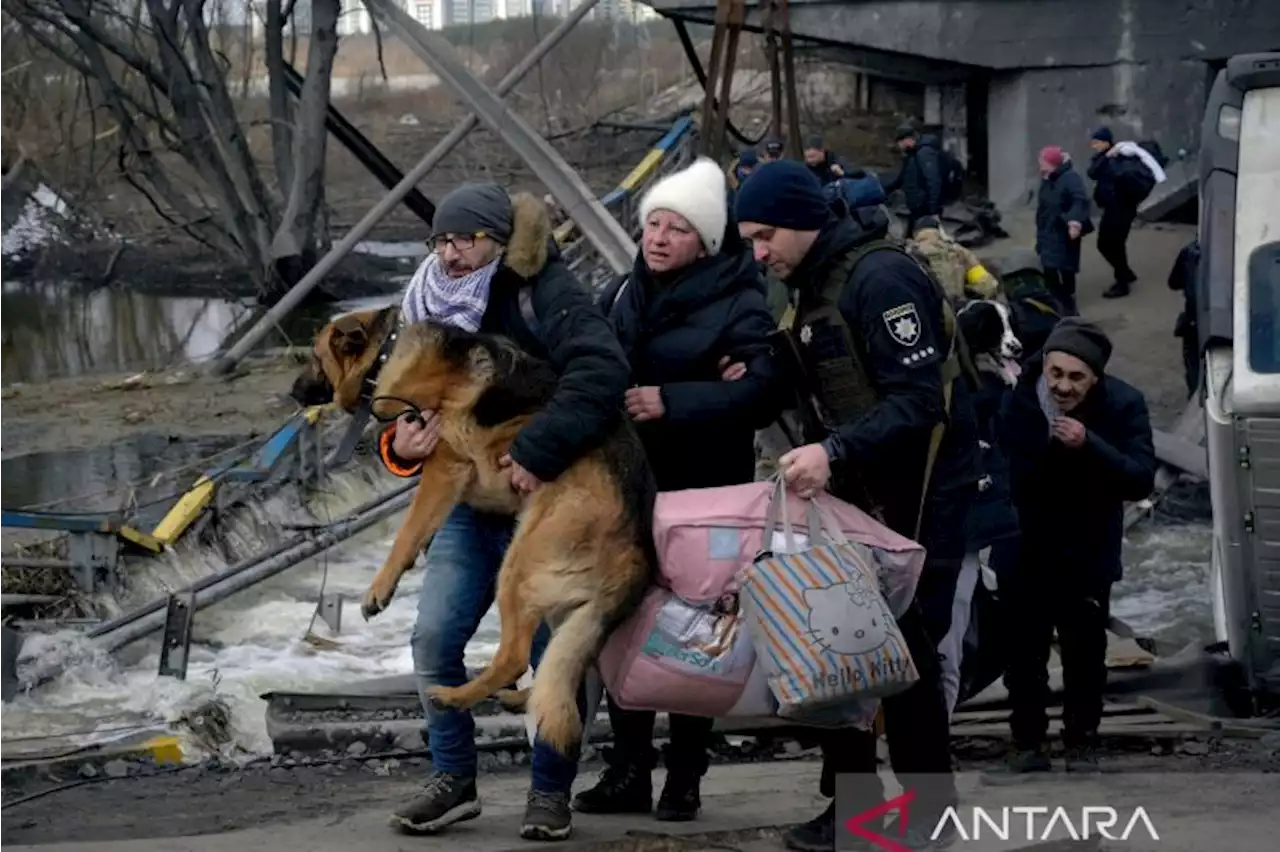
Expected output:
(1103, 134)
(783, 194)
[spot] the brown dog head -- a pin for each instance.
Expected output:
(342, 356)
(437, 367)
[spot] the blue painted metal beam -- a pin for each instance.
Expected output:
(103, 523)
(265, 460)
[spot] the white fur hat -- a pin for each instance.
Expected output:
(697, 193)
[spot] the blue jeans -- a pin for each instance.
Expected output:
(462, 569)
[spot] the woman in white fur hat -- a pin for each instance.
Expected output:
(693, 303)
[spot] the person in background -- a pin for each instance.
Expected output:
(873, 340)
(825, 165)
(1124, 174)
(1062, 218)
(1079, 445)
(957, 269)
(740, 169)
(773, 148)
(1183, 277)
(920, 177)
(489, 249)
(693, 303)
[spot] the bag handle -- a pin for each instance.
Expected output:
(777, 507)
(823, 527)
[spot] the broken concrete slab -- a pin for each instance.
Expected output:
(1181, 185)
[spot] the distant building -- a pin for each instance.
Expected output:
(436, 14)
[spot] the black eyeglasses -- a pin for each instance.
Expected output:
(460, 242)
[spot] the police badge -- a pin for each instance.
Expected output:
(903, 323)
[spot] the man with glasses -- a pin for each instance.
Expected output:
(495, 269)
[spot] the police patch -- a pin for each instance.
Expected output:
(903, 323)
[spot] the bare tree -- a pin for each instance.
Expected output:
(159, 69)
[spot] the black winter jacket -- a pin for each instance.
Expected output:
(826, 171)
(569, 332)
(920, 178)
(1071, 502)
(993, 517)
(675, 329)
(887, 446)
(1062, 199)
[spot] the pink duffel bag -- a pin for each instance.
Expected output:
(687, 649)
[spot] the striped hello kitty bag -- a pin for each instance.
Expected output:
(821, 626)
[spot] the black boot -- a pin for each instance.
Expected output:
(625, 786)
(1118, 290)
(816, 835)
(680, 800)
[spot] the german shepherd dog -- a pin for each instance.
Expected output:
(582, 555)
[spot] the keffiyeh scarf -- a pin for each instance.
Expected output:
(459, 302)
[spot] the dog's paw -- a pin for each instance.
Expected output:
(377, 598)
(513, 700)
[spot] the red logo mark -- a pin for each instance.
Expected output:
(902, 804)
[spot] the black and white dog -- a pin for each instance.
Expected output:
(987, 327)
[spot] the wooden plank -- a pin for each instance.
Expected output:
(1109, 711)
(1166, 728)
(20, 600)
(1244, 728)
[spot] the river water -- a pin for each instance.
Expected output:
(52, 330)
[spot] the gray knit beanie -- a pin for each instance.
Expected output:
(475, 207)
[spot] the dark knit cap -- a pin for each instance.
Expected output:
(783, 194)
(1082, 339)
(773, 146)
(749, 158)
(905, 130)
(1103, 134)
(814, 141)
(475, 207)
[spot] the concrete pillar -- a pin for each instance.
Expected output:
(955, 121)
(1008, 143)
(933, 104)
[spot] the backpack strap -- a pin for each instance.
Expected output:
(524, 297)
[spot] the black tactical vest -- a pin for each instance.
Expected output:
(833, 359)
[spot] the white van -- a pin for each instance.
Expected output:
(1239, 317)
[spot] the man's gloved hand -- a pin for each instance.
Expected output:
(415, 436)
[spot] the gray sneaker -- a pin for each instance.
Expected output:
(546, 816)
(445, 799)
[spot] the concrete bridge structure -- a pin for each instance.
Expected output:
(1005, 77)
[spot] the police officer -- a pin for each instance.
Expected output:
(893, 431)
